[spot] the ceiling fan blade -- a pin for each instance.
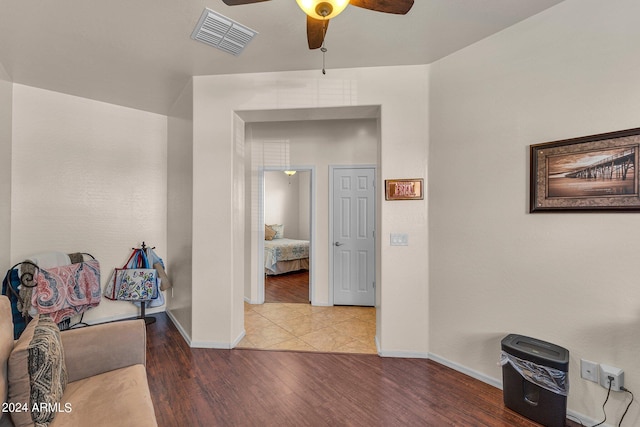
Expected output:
(239, 2)
(316, 30)
(399, 7)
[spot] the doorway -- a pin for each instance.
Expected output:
(318, 138)
(287, 248)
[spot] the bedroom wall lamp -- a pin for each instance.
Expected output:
(322, 9)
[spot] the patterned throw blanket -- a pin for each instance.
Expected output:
(68, 290)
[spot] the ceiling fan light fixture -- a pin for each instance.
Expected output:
(323, 9)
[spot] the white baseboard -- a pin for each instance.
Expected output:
(469, 372)
(210, 344)
(218, 345)
(400, 354)
(498, 384)
(237, 340)
(119, 317)
(179, 327)
(204, 344)
(584, 419)
(403, 354)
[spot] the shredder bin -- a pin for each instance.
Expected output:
(535, 379)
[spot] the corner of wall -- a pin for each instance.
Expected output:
(3, 74)
(6, 137)
(180, 210)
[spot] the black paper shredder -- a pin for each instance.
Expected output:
(535, 379)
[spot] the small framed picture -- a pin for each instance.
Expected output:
(589, 174)
(404, 189)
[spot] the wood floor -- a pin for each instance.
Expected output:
(206, 387)
(289, 287)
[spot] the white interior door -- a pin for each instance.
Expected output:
(353, 242)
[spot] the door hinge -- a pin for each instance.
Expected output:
(374, 284)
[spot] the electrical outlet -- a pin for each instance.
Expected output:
(589, 370)
(613, 375)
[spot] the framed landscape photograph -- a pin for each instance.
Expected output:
(589, 174)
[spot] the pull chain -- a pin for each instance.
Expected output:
(322, 48)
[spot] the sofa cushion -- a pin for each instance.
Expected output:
(6, 345)
(47, 370)
(115, 398)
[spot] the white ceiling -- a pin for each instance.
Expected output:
(139, 53)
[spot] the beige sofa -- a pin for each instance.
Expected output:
(103, 365)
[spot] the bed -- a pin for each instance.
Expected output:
(284, 255)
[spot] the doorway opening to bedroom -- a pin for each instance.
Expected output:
(287, 240)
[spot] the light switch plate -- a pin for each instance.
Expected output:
(399, 239)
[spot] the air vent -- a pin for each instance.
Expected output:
(219, 31)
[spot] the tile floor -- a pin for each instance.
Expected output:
(303, 327)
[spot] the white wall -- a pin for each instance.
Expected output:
(304, 206)
(287, 201)
(3, 74)
(180, 209)
(495, 269)
(403, 132)
(87, 176)
(6, 102)
(282, 202)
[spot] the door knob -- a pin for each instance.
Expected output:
(338, 244)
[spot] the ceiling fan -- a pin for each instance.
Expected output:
(319, 12)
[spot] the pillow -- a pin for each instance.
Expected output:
(6, 345)
(279, 229)
(18, 371)
(47, 371)
(20, 389)
(269, 233)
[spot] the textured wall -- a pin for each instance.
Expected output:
(281, 202)
(6, 105)
(89, 177)
(566, 278)
(180, 208)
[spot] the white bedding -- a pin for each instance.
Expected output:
(278, 251)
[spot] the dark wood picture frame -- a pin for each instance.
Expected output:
(404, 189)
(595, 173)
